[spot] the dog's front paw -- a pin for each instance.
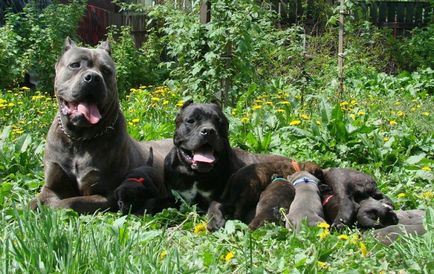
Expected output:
(215, 216)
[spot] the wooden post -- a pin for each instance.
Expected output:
(341, 55)
(205, 12)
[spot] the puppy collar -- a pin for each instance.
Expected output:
(139, 180)
(304, 180)
(326, 200)
(81, 139)
(278, 179)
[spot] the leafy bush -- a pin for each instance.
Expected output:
(416, 51)
(32, 40)
(135, 66)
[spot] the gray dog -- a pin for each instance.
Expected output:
(88, 151)
(307, 201)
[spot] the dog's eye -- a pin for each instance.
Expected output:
(106, 70)
(190, 121)
(74, 65)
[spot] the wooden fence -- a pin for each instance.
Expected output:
(399, 15)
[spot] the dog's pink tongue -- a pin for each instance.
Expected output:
(204, 157)
(90, 111)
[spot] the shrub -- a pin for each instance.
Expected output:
(31, 41)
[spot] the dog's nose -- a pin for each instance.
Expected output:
(207, 131)
(90, 78)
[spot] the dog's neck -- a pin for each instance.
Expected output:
(73, 137)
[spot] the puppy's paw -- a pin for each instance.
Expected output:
(215, 217)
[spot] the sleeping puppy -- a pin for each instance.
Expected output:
(202, 160)
(307, 201)
(279, 194)
(244, 189)
(376, 213)
(350, 187)
(410, 223)
(371, 213)
(141, 189)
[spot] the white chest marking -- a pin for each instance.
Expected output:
(190, 194)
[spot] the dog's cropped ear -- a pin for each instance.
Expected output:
(216, 102)
(187, 103)
(105, 45)
(68, 44)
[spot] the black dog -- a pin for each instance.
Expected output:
(202, 160)
(141, 190)
(350, 187)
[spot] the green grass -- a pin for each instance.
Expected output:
(352, 131)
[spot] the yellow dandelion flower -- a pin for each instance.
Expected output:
(25, 88)
(318, 122)
(353, 102)
(3, 101)
(425, 113)
(280, 110)
(298, 97)
(284, 102)
(245, 120)
(180, 103)
(142, 87)
(199, 228)
(363, 249)
(256, 107)
(324, 233)
(343, 237)
(426, 168)
(304, 117)
(229, 256)
(385, 139)
(163, 255)
(269, 103)
(427, 195)
(258, 101)
(361, 113)
(324, 225)
(11, 105)
(165, 102)
(400, 113)
(354, 239)
(135, 120)
(344, 104)
(295, 123)
(392, 122)
(397, 103)
(401, 195)
(155, 99)
(323, 264)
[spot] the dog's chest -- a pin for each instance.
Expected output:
(191, 193)
(86, 174)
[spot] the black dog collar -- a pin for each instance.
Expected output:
(304, 180)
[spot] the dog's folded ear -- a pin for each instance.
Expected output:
(68, 44)
(105, 45)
